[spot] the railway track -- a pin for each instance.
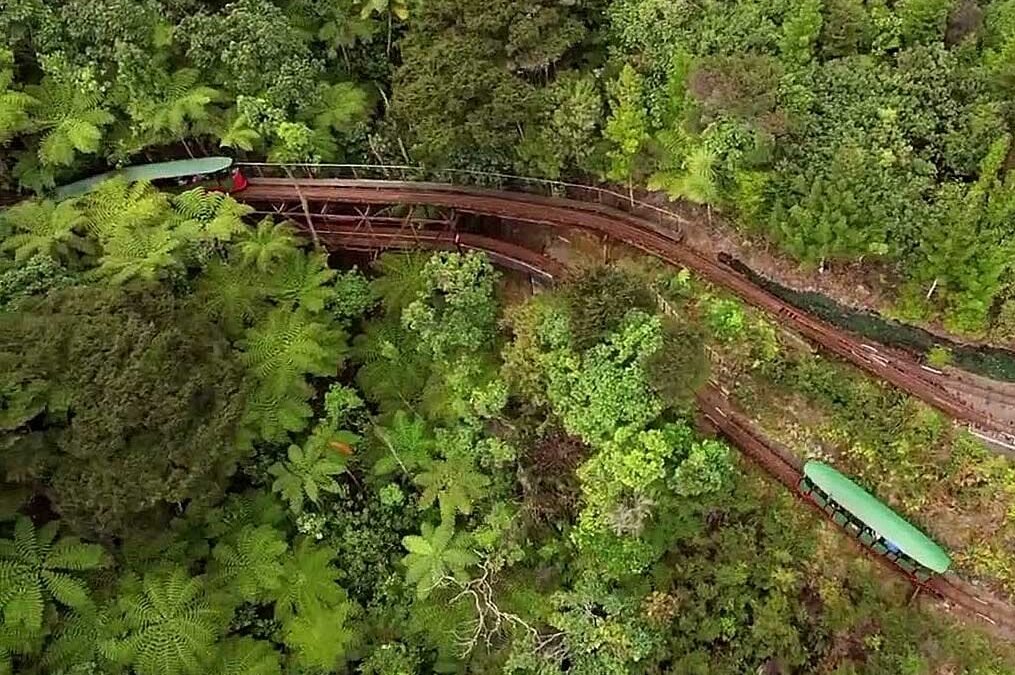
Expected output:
(713, 400)
(660, 240)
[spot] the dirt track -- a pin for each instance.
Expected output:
(984, 409)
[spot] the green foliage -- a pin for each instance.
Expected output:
(44, 228)
(248, 561)
(36, 568)
(627, 126)
(310, 470)
(607, 387)
(599, 299)
(101, 383)
(310, 583)
(455, 310)
(454, 484)
(435, 554)
(70, 117)
(14, 104)
(168, 624)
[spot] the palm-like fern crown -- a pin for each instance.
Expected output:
(311, 582)
(233, 294)
(169, 625)
(248, 563)
(72, 118)
(301, 280)
(271, 412)
(184, 100)
(44, 227)
(118, 206)
(219, 216)
(34, 568)
(287, 345)
(400, 279)
(267, 244)
(246, 656)
(14, 105)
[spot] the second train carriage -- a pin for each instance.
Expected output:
(876, 526)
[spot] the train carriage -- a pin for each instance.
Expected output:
(877, 527)
(215, 169)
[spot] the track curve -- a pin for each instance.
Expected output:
(712, 399)
(655, 239)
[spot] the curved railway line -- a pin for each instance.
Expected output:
(713, 402)
(960, 398)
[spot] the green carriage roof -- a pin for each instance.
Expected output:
(147, 172)
(877, 516)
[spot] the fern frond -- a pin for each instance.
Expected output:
(44, 228)
(272, 413)
(169, 625)
(300, 281)
(248, 563)
(311, 582)
(65, 589)
(72, 120)
(318, 637)
(232, 294)
(246, 656)
(267, 244)
(400, 279)
(219, 216)
(287, 345)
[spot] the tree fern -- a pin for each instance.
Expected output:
(400, 279)
(319, 637)
(236, 131)
(117, 205)
(233, 294)
(142, 253)
(393, 371)
(169, 626)
(246, 656)
(308, 471)
(248, 562)
(434, 554)
(272, 412)
(184, 100)
(342, 105)
(405, 444)
(44, 228)
(14, 104)
(455, 485)
(311, 582)
(71, 119)
(34, 569)
(267, 244)
(287, 345)
(252, 508)
(301, 281)
(219, 216)
(76, 638)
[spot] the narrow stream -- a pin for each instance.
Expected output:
(993, 362)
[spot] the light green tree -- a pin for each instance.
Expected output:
(627, 125)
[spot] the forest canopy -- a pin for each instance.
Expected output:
(227, 450)
(222, 456)
(842, 130)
